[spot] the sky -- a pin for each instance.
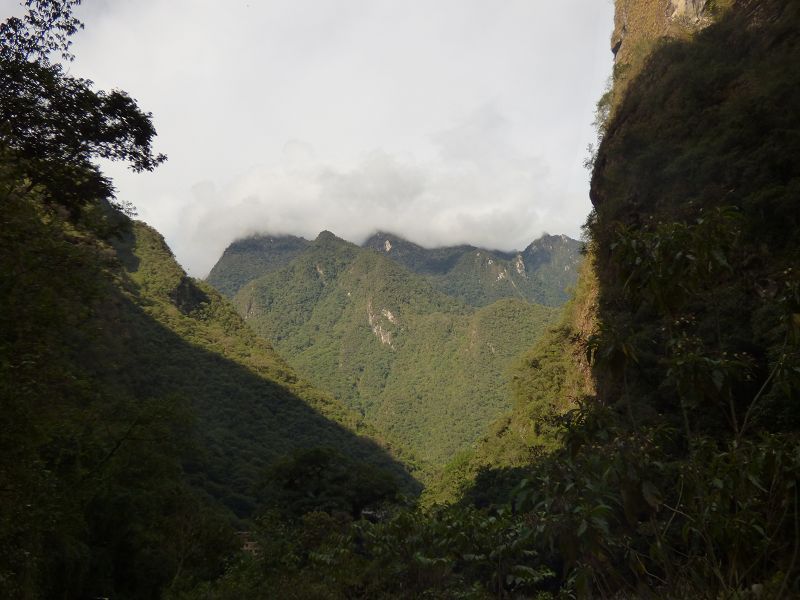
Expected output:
(443, 121)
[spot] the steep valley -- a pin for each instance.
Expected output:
(425, 367)
(333, 421)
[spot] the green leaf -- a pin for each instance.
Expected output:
(651, 494)
(582, 528)
(719, 379)
(754, 480)
(720, 257)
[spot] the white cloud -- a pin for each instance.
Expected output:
(445, 121)
(491, 195)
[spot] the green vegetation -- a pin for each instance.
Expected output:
(651, 452)
(543, 273)
(139, 413)
(423, 367)
(593, 519)
(250, 258)
(135, 401)
(323, 480)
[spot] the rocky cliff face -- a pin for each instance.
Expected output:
(639, 23)
(688, 9)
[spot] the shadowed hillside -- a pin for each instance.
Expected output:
(695, 234)
(138, 409)
(188, 340)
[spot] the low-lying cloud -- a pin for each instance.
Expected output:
(448, 121)
(476, 188)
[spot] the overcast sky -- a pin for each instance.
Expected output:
(445, 121)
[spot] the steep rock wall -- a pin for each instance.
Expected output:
(640, 24)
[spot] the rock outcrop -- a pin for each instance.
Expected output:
(638, 23)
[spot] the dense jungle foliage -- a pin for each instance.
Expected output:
(252, 257)
(418, 364)
(652, 451)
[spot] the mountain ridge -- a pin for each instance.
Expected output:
(543, 272)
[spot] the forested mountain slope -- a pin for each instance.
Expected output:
(252, 257)
(134, 399)
(545, 272)
(549, 379)
(428, 369)
(251, 406)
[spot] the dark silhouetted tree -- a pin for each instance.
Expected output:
(54, 126)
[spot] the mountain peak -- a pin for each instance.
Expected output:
(386, 242)
(251, 257)
(387, 235)
(326, 237)
(329, 242)
(262, 241)
(550, 242)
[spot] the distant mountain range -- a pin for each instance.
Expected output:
(419, 341)
(544, 272)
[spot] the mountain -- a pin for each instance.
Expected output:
(652, 447)
(417, 363)
(183, 338)
(251, 257)
(140, 413)
(543, 273)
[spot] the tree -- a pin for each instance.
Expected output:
(52, 125)
(322, 479)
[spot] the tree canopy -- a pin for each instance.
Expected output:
(53, 126)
